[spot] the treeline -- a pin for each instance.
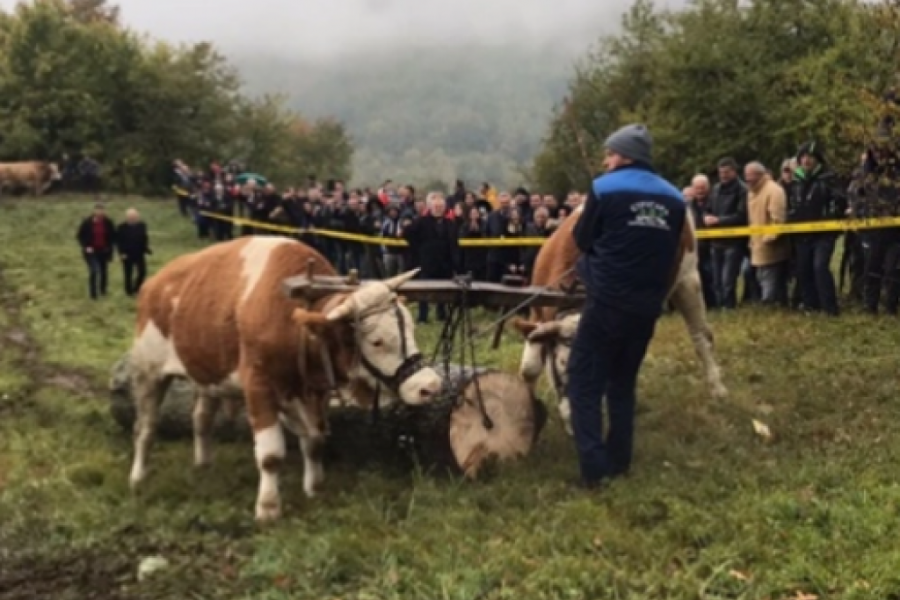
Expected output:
(74, 81)
(419, 114)
(750, 80)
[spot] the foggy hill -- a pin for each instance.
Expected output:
(423, 113)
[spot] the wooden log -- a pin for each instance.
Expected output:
(446, 436)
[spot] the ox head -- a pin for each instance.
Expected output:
(53, 169)
(384, 333)
(548, 345)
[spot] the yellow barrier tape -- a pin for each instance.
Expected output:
(703, 234)
(370, 239)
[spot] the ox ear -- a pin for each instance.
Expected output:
(524, 327)
(545, 332)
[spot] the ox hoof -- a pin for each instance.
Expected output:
(135, 480)
(267, 513)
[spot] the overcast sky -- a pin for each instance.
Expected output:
(328, 27)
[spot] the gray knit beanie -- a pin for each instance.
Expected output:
(632, 141)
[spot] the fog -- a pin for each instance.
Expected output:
(329, 28)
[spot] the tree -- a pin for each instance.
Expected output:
(720, 78)
(74, 81)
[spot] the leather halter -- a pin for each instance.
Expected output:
(412, 363)
(548, 353)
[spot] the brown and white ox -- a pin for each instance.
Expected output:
(35, 175)
(548, 336)
(219, 317)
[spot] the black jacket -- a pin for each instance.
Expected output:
(132, 240)
(85, 237)
(816, 197)
(728, 202)
(434, 242)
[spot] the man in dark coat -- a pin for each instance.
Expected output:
(433, 239)
(97, 238)
(629, 236)
(815, 196)
(133, 244)
(727, 208)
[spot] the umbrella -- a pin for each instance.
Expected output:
(245, 177)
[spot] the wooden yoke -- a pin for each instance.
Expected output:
(312, 288)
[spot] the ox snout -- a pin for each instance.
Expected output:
(532, 363)
(421, 388)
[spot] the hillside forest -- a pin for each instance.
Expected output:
(718, 78)
(751, 80)
(74, 80)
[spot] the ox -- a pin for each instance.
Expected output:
(34, 175)
(548, 336)
(219, 318)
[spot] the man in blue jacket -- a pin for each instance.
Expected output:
(629, 236)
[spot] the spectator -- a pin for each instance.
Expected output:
(497, 223)
(97, 237)
(392, 256)
(182, 185)
(90, 174)
(433, 239)
(698, 203)
(727, 208)
(473, 259)
(767, 205)
(538, 228)
(133, 243)
(205, 204)
(816, 197)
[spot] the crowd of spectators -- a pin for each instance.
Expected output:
(431, 225)
(787, 270)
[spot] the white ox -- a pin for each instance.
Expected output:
(548, 337)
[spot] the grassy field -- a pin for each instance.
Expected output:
(711, 511)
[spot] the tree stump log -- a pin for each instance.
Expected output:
(449, 435)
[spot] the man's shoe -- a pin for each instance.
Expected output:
(588, 485)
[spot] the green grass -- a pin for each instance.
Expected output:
(711, 510)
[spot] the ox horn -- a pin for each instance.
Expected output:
(395, 282)
(344, 310)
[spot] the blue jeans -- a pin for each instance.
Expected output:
(814, 253)
(726, 267)
(606, 355)
(98, 271)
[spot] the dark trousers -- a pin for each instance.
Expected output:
(606, 356)
(814, 253)
(98, 273)
(135, 271)
(752, 290)
(496, 271)
(772, 280)
(881, 273)
(423, 306)
(726, 267)
(704, 266)
(183, 205)
(223, 230)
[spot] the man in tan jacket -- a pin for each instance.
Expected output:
(767, 205)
